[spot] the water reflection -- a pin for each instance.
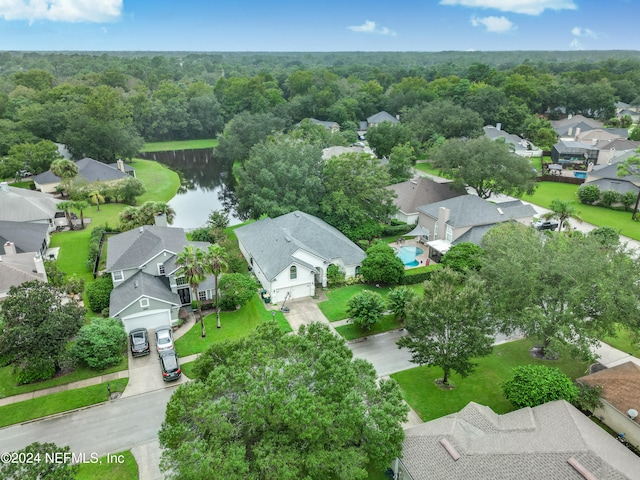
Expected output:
(205, 185)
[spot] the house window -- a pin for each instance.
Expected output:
(161, 268)
(118, 276)
(180, 281)
(202, 295)
(358, 268)
(449, 234)
(435, 231)
(144, 303)
(293, 272)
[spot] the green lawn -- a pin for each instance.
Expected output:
(427, 168)
(482, 386)
(351, 331)
(9, 386)
(58, 402)
(110, 467)
(235, 325)
(161, 182)
(180, 145)
(624, 341)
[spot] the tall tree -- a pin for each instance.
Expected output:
(134, 217)
(278, 406)
(96, 198)
(66, 170)
(193, 264)
(449, 324)
(486, 166)
(217, 263)
(81, 206)
(563, 210)
(442, 117)
(563, 290)
(35, 157)
(383, 138)
(36, 326)
(42, 469)
(66, 206)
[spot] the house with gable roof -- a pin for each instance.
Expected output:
(89, 169)
(27, 206)
(553, 441)
(466, 218)
(521, 147)
(290, 254)
(146, 289)
(17, 268)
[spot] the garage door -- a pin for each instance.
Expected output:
(297, 291)
(150, 320)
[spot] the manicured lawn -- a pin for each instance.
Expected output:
(427, 168)
(624, 341)
(351, 331)
(58, 402)
(9, 387)
(621, 221)
(180, 145)
(235, 325)
(110, 468)
(335, 307)
(482, 386)
(161, 183)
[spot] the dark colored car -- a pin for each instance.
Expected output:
(164, 339)
(546, 224)
(170, 366)
(139, 342)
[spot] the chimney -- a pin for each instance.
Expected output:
(443, 218)
(4, 186)
(160, 220)
(498, 126)
(39, 265)
(9, 248)
(594, 142)
(577, 133)
(570, 131)
(120, 164)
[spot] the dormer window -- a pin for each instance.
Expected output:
(161, 268)
(118, 276)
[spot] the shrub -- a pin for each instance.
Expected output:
(588, 398)
(37, 369)
(609, 197)
(98, 293)
(589, 194)
(628, 199)
(365, 308)
(463, 257)
(203, 234)
(419, 275)
(533, 385)
(100, 343)
(94, 247)
(55, 276)
(236, 289)
(382, 265)
(335, 276)
(398, 299)
(74, 284)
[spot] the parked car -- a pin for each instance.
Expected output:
(164, 339)
(546, 224)
(139, 342)
(170, 366)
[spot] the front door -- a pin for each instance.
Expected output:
(185, 296)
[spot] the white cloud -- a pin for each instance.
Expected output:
(494, 24)
(576, 45)
(61, 10)
(527, 7)
(583, 32)
(372, 27)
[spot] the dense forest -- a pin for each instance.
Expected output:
(106, 105)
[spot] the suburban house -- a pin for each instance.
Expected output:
(620, 399)
(466, 218)
(623, 109)
(290, 254)
(575, 154)
(146, 291)
(606, 178)
(24, 237)
(374, 121)
(17, 268)
(612, 149)
(22, 205)
(550, 441)
(521, 147)
(571, 126)
(418, 192)
(88, 169)
(333, 127)
(336, 150)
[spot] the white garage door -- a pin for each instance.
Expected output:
(150, 320)
(297, 291)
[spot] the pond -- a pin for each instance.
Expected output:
(205, 186)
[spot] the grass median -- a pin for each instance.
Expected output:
(115, 466)
(58, 402)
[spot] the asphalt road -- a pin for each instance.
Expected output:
(381, 350)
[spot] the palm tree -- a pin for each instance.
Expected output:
(563, 210)
(66, 207)
(166, 210)
(96, 198)
(217, 258)
(193, 264)
(65, 169)
(81, 205)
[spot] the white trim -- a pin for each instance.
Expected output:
(144, 302)
(117, 273)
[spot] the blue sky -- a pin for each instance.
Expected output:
(325, 25)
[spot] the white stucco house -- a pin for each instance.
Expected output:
(290, 254)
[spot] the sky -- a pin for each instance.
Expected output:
(318, 25)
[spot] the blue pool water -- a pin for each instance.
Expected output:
(580, 174)
(408, 255)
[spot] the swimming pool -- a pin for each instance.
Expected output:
(408, 255)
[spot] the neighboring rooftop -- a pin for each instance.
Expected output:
(17, 269)
(22, 205)
(381, 117)
(422, 191)
(140, 285)
(569, 126)
(26, 237)
(89, 169)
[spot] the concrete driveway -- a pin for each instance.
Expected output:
(145, 374)
(304, 311)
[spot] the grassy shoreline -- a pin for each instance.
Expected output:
(180, 145)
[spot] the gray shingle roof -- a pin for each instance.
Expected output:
(17, 269)
(471, 210)
(381, 117)
(136, 247)
(89, 169)
(140, 285)
(272, 242)
(324, 123)
(474, 235)
(423, 191)
(21, 205)
(27, 237)
(563, 126)
(531, 443)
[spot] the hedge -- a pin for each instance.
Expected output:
(419, 274)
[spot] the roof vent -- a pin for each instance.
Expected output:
(633, 413)
(141, 229)
(451, 450)
(135, 284)
(500, 211)
(297, 214)
(578, 467)
(414, 182)
(288, 238)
